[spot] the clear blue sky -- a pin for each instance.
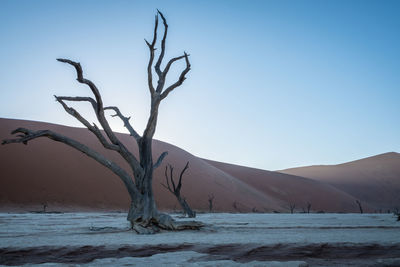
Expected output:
(274, 84)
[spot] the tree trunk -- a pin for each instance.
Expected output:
(143, 210)
(186, 208)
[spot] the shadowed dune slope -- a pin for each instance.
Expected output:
(49, 172)
(373, 180)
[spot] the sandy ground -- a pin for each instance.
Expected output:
(228, 240)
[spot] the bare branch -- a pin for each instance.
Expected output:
(94, 129)
(166, 179)
(171, 170)
(180, 80)
(161, 80)
(29, 135)
(78, 99)
(80, 79)
(167, 187)
(123, 151)
(126, 122)
(152, 49)
(181, 175)
(155, 31)
(160, 159)
(160, 58)
(99, 102)
(176, 190)
(170, 62)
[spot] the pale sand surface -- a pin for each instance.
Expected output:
(227, 240)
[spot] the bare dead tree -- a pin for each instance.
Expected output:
(143, 213)
(308, 207)
(235, 206)
(292, 207)
(359, 206)
(44, 207)
(210, 202)
(175, 189)
(396, 212)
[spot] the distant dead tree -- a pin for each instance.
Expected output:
(397, 213)
(308, 207)
(143, 214)
(292, 207)
(235, 205)
(176, 189)
(210, 202)
(44, 207)
(359, 206)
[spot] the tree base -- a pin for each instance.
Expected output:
(163, 222)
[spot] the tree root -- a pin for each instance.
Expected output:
(163, 222)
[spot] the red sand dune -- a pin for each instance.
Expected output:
(45, 171)
(293, 189)
(373, 180)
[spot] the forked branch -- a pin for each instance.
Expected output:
(93, 128)
(176, 189)
(170, 183)
(181, 79)
(79, 73)
(126, 122)
(99, 111)
(159, 94)
(162, 74)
